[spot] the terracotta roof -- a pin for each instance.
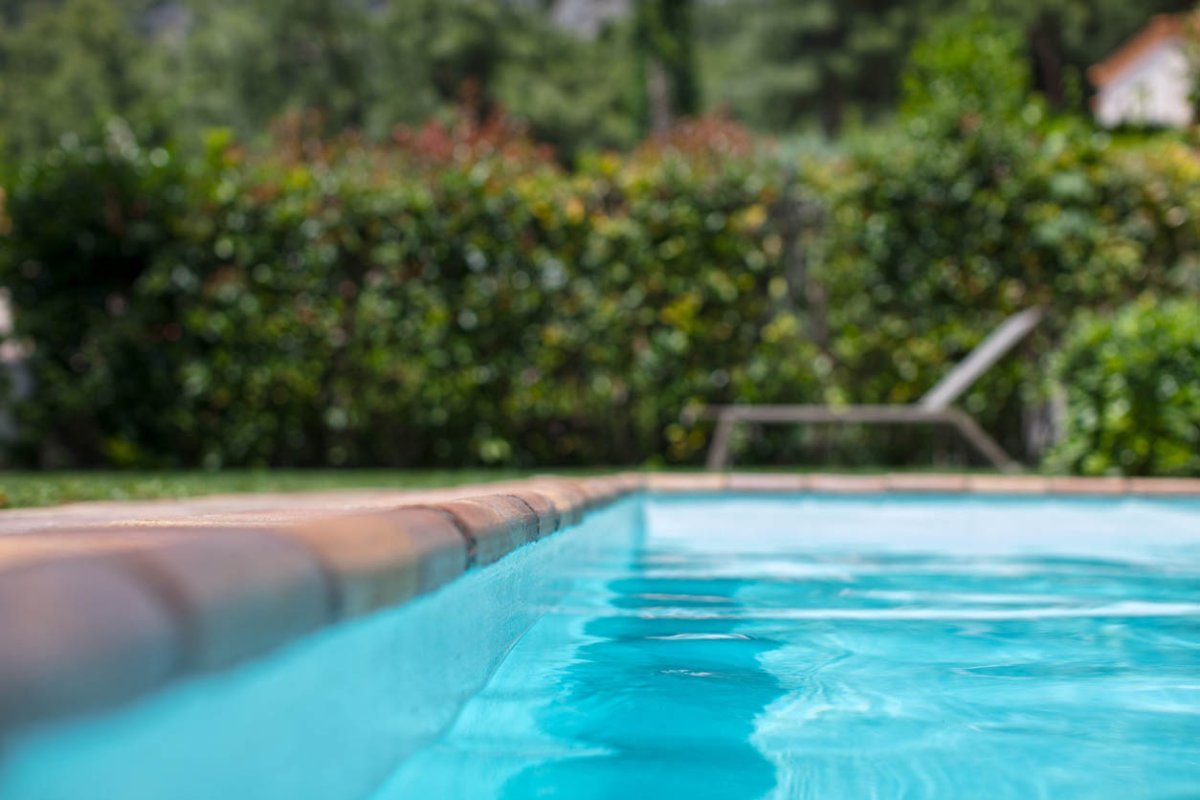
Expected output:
(1160, 28)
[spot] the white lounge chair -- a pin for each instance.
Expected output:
(934, 407)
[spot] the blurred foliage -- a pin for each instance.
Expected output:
(1065, 37)
(65, 68)
(783, 63)
(458, 298)
(780, 65)
(173, 68)
(87, 221)
(241, 63)
(574, 95)
(445, 292)
(978, 205)
(665, 45)
(369, 66)
(455, 298)
(1132, 391)
(968, 64)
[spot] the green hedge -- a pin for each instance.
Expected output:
(1131, 382)
(458, 299)
(978, 204)
(82, 225)
(930, 247)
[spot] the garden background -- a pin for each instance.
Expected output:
(450, 234)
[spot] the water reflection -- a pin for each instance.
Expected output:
(665, 707)
(829, 649)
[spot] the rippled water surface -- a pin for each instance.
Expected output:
(833, 648)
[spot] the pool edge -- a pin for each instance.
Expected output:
(95, 618)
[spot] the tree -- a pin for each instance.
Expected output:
(431, 50)
(967, 67)
(663, 41)
(370, 66)
(64, 69)
(1065, 37)
(243, 63)
(574, 93)
(786, 62)
(780, 64)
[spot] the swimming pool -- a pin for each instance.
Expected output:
(718, 645)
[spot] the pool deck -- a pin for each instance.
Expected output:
(103, 602)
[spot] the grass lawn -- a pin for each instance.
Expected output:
(19, 489)
(25, 489)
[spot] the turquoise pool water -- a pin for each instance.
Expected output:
(853, 649)
(718, 647)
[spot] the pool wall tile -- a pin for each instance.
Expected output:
(569, 500)
(617, 486)
(1089, 486)
(631, 481)
(1008, 484)
(767, 482)
(494, 525)
(97, 617)
(902, 482)
(80, 634)
(590, 492)
(376, 560)
(853, 484)
(1165, 486)
(549, 520)
(600, 491)
(237, 593)
(690, 482)
(23, 548)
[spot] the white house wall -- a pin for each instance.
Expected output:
(1154, 90)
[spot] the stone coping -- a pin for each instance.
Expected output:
(101, 603)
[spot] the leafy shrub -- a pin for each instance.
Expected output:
(977, 206)
(84, 223)
(1132, 388)
(459, 298)
(968, 65)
